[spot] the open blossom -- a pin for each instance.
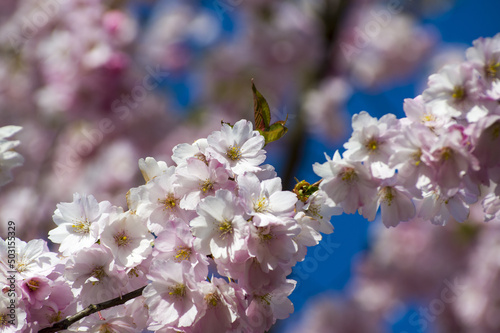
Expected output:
(265, 201)
(418, 111)
(157, 201)
(238, 147)
(485, 56)
(371, 138)
(439, 209)
(320, 209)
(177, 243)
(92, 271)
(220, 228)
(172, 296)
(450, 160)
(456, 87)
(347, 183)
(110, 320)
(128, 239)
(219, 310)
(274, 244)
(395, 203)
(35, 290)
(267, 306)
(8, 157)
(199, 180)
(78, 222)
(32, 258)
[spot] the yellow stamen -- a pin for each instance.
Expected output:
(372, 145)
(387, 195)
(458, 93)
(233, 153)
(33, 285)
(349, 175)
(99, 273)
(225, 228)
(183, 253)
(121, 239)
(81, 227)
(170, 201)
(178, 291)
(261, 205)
(492, 68)
(207, 186)
(212, 299)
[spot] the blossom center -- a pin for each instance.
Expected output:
(54, 318)
(265, 299)
(132, 273)
(372, 145)
(201, 157)
(428, 117)
(207, 186)
(495, 133)
(178, 291)
(446, 153)
(265, 235)
(417, 157)
(234, 153)
(121, 238)
(492, 68)
(170, 201)
(4, 320)
(458, 93)
(261, 205)
(349, 175)
(106, 329)
(314, 211)
(98, 272)
(225, 228)
(33, 285)
(22, 266)
(183, 253)
(212, 299)
(387, 195)
(81, 227)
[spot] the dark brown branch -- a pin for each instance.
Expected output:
(92, 308)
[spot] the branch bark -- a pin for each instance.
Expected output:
(92, 308)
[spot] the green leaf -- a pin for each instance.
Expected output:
(261, 110)
(276, 131)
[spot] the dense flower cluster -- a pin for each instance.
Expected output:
(434, 163)
(215, 236)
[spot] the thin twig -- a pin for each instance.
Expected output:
(92, 308)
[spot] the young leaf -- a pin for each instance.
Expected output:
(262, 113)
(276, 131)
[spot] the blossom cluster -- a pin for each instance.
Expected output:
(212, 238)
(438, 160)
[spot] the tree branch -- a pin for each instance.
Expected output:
(92, 308)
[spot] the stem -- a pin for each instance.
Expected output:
(92, 308)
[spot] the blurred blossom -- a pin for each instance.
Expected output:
(381, 44)
(325, 107)
(333, 314)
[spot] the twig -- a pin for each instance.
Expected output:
(92, 308)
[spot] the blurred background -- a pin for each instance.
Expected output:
(98, 84)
